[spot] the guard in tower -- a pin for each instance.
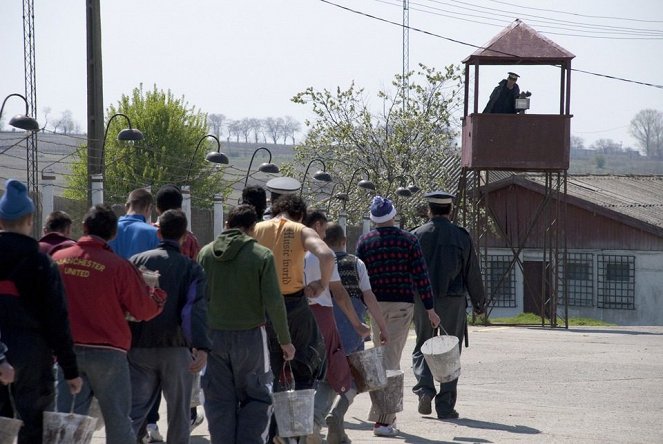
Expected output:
(503, 98)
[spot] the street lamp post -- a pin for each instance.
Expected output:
(21, 121)
(265, 167)
(214, 157)
(344, 196)
(321, 175)
(130, 134)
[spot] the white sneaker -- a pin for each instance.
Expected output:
(153, 434)
(385, 430)
(200, 417)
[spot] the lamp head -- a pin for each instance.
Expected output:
(130, 135)
(342, 196)
(21, 121)
(366, 184)
(216, 157)
(414, 189)
(403, 192)
(322, 176)
(269, 168)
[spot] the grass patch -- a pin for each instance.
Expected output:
(532, 319)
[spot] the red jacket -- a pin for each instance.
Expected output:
(101, 289)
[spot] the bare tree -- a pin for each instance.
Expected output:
(273, 128)
(65, 122)
(46, 110)
(577, 143)
(233, 129)
(245, 128)
(647, 129)
(215, 122)
(255, 126)
(290, 127)
(607, 146)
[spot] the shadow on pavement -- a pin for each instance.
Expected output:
(475, 424)
(619, 332)
(199, 440)
(405, 437)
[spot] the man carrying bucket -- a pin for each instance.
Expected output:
(242, 288)
(339, 378)
(397, 270)
(454, 271)
(33, 317)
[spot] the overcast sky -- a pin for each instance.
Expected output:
(248, 58)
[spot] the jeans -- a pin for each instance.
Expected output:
(238, 387)
(165, 368)
(105, 374)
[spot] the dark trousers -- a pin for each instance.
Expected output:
(237, 386)
(33, 389)
(308, 367)
(167, 369)
(451, 310)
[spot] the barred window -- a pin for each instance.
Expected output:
(616, 282)
(579, 279)
(500, 285)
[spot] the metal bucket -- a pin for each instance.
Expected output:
(294, 412)
(68, 428)
(390, 399)
(442, 355)
(367, 367)
(9, 428)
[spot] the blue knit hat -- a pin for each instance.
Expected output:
(382, 210)
(15, 202)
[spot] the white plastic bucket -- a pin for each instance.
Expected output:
(390, 398)
(68, 428)
(367, 367)
(294, 412)
(9, 428)
(442, 355)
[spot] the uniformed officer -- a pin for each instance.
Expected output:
(280, 186)
(454, 272)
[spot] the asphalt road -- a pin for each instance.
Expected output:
(533, 385)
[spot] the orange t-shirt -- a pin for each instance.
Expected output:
(284, 238)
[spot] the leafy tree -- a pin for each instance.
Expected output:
(647, 129)
(407, 140)
(172, 130)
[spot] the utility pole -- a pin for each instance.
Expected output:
(406, 51)
(95, 94)
(31, 98)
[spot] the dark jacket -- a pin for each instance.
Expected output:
(183, 321)
(503, 100)
(32, 300)
(52, 242)
(453, 267)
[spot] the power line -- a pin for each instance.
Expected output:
(575, 13)
(460, 42)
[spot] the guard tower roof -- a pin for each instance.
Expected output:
(520, 44)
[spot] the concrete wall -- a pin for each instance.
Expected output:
(648, 289)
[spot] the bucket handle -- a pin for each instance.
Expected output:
(12, 401)
(286, 378)
(436, 331)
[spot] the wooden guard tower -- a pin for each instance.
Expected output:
(495, 146)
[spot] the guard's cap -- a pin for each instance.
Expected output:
(514, 75)
(283, 185)
(439, 197)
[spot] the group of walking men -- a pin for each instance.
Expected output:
(268, 305)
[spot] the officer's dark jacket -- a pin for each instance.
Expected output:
(453, 267)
